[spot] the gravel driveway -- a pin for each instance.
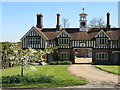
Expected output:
(95, 76)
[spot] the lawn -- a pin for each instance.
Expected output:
(63, 77)
(109, 68)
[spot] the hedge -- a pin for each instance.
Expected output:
(41, 78)
(65, 62)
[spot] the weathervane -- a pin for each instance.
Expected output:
(83, 10)
(83, 7)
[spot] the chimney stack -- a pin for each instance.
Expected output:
(58, 22)
(108, 20)
(39, 21)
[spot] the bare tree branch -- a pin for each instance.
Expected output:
(65, 23)
(97, 23)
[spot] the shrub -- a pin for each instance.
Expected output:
(65, 62)
(41, 78)
(12, 79)
(93, 63)
(53, 63)
(60, 62)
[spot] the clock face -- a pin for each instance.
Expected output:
(82, 23)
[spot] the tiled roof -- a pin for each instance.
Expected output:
(51, 33)
(83, 36)
(114, 34)
(79, 36)
(39, 30)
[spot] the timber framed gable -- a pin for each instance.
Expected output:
(63, 39)
(34, 32)
(33, 38)
(63, 34)
(102, 34)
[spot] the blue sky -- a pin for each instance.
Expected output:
(19, 17)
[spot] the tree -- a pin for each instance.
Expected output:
(65, 23)
(53, 49)
(5, 51)
(21, 57)
(26, 58)
(97, 23)
(56, 53)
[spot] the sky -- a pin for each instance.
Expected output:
(19, 17)
(119, 14)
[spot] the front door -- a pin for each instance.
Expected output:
(115, 58)
(50, 58)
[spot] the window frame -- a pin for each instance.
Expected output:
(34, 40)
(102, 41)
(102, 56)
(63, 41)
(64, 55)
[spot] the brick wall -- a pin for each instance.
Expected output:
(71, 51)
(109, 61)
(81, 52)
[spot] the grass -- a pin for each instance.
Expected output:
(114, 69)
(63, 77)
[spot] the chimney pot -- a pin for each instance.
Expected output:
(108, 13)
(58, 14)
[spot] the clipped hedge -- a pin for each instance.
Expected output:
(65, 62)
(41, 78)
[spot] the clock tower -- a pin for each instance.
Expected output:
(83, 21)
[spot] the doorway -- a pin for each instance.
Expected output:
(83, 55)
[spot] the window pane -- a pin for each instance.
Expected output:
(102, 56)
(97, 56)
(64, 55)
(105, 41)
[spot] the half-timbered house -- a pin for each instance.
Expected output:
(103, 43)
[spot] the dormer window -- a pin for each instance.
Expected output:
(101, 41)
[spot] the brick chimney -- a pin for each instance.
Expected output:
(58, 22)
(39, 21)
(108, 20)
